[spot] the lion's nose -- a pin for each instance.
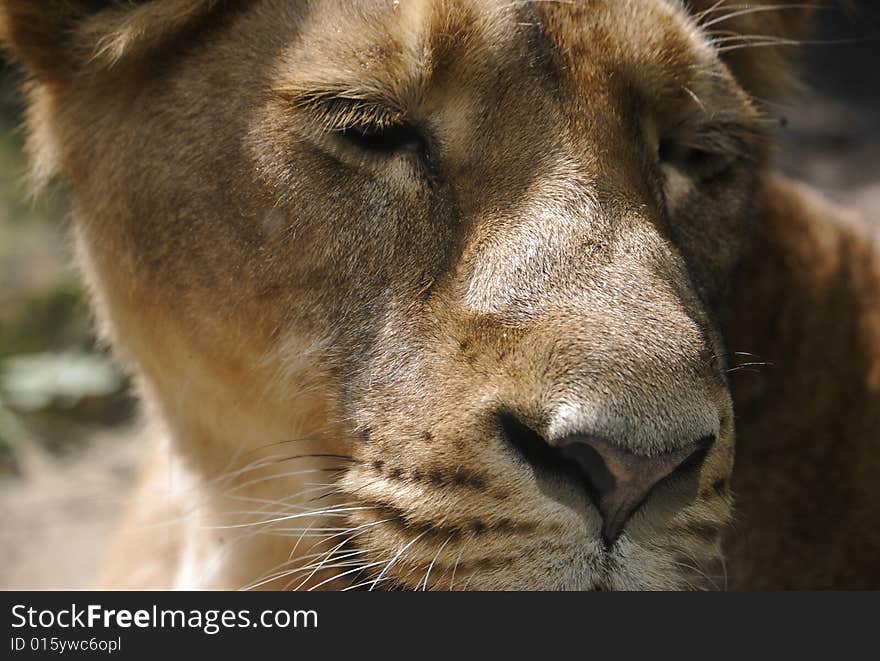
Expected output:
(618, 480)
(621, 480)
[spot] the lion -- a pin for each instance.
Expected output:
(459, 294)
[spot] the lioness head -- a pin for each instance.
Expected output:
(449, 270)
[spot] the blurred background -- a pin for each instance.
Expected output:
(69, 440)
(68, 447)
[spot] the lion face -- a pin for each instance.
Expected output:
(530, 215)
(489, 239)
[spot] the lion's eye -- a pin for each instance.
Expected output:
(700, 164)
(384, 140)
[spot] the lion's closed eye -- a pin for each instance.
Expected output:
(384, 140)
(361, 130)
(699, 163)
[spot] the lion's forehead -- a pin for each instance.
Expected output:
(405, 50)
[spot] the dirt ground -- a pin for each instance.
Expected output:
(57, 513)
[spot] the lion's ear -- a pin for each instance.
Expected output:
(757, 39)
(55, 38)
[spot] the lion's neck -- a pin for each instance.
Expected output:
(263, 474)
(249, 463)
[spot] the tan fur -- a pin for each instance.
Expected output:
(335, 340)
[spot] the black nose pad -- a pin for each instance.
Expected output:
(621, 480)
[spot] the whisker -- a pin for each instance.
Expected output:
(321, 564)
(715, 7)
(305, 512)
(396, 558)
(307, 439)
(338, 576)
(280, 476)
(696, 99)
(454, 568)
(723, 562)
(329, 512)
(275, 572)
(358, 530)
(361, 585)
(320, 455)
(362, 528)
(790, 42)
(747, 10)
(431, 566)
(351, 492)
(287, 503)
(357, 567)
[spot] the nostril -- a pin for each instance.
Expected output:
(580, 461)
(617, 480)
(530, 444)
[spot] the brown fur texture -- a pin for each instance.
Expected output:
(347, 347)
(808, 423)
